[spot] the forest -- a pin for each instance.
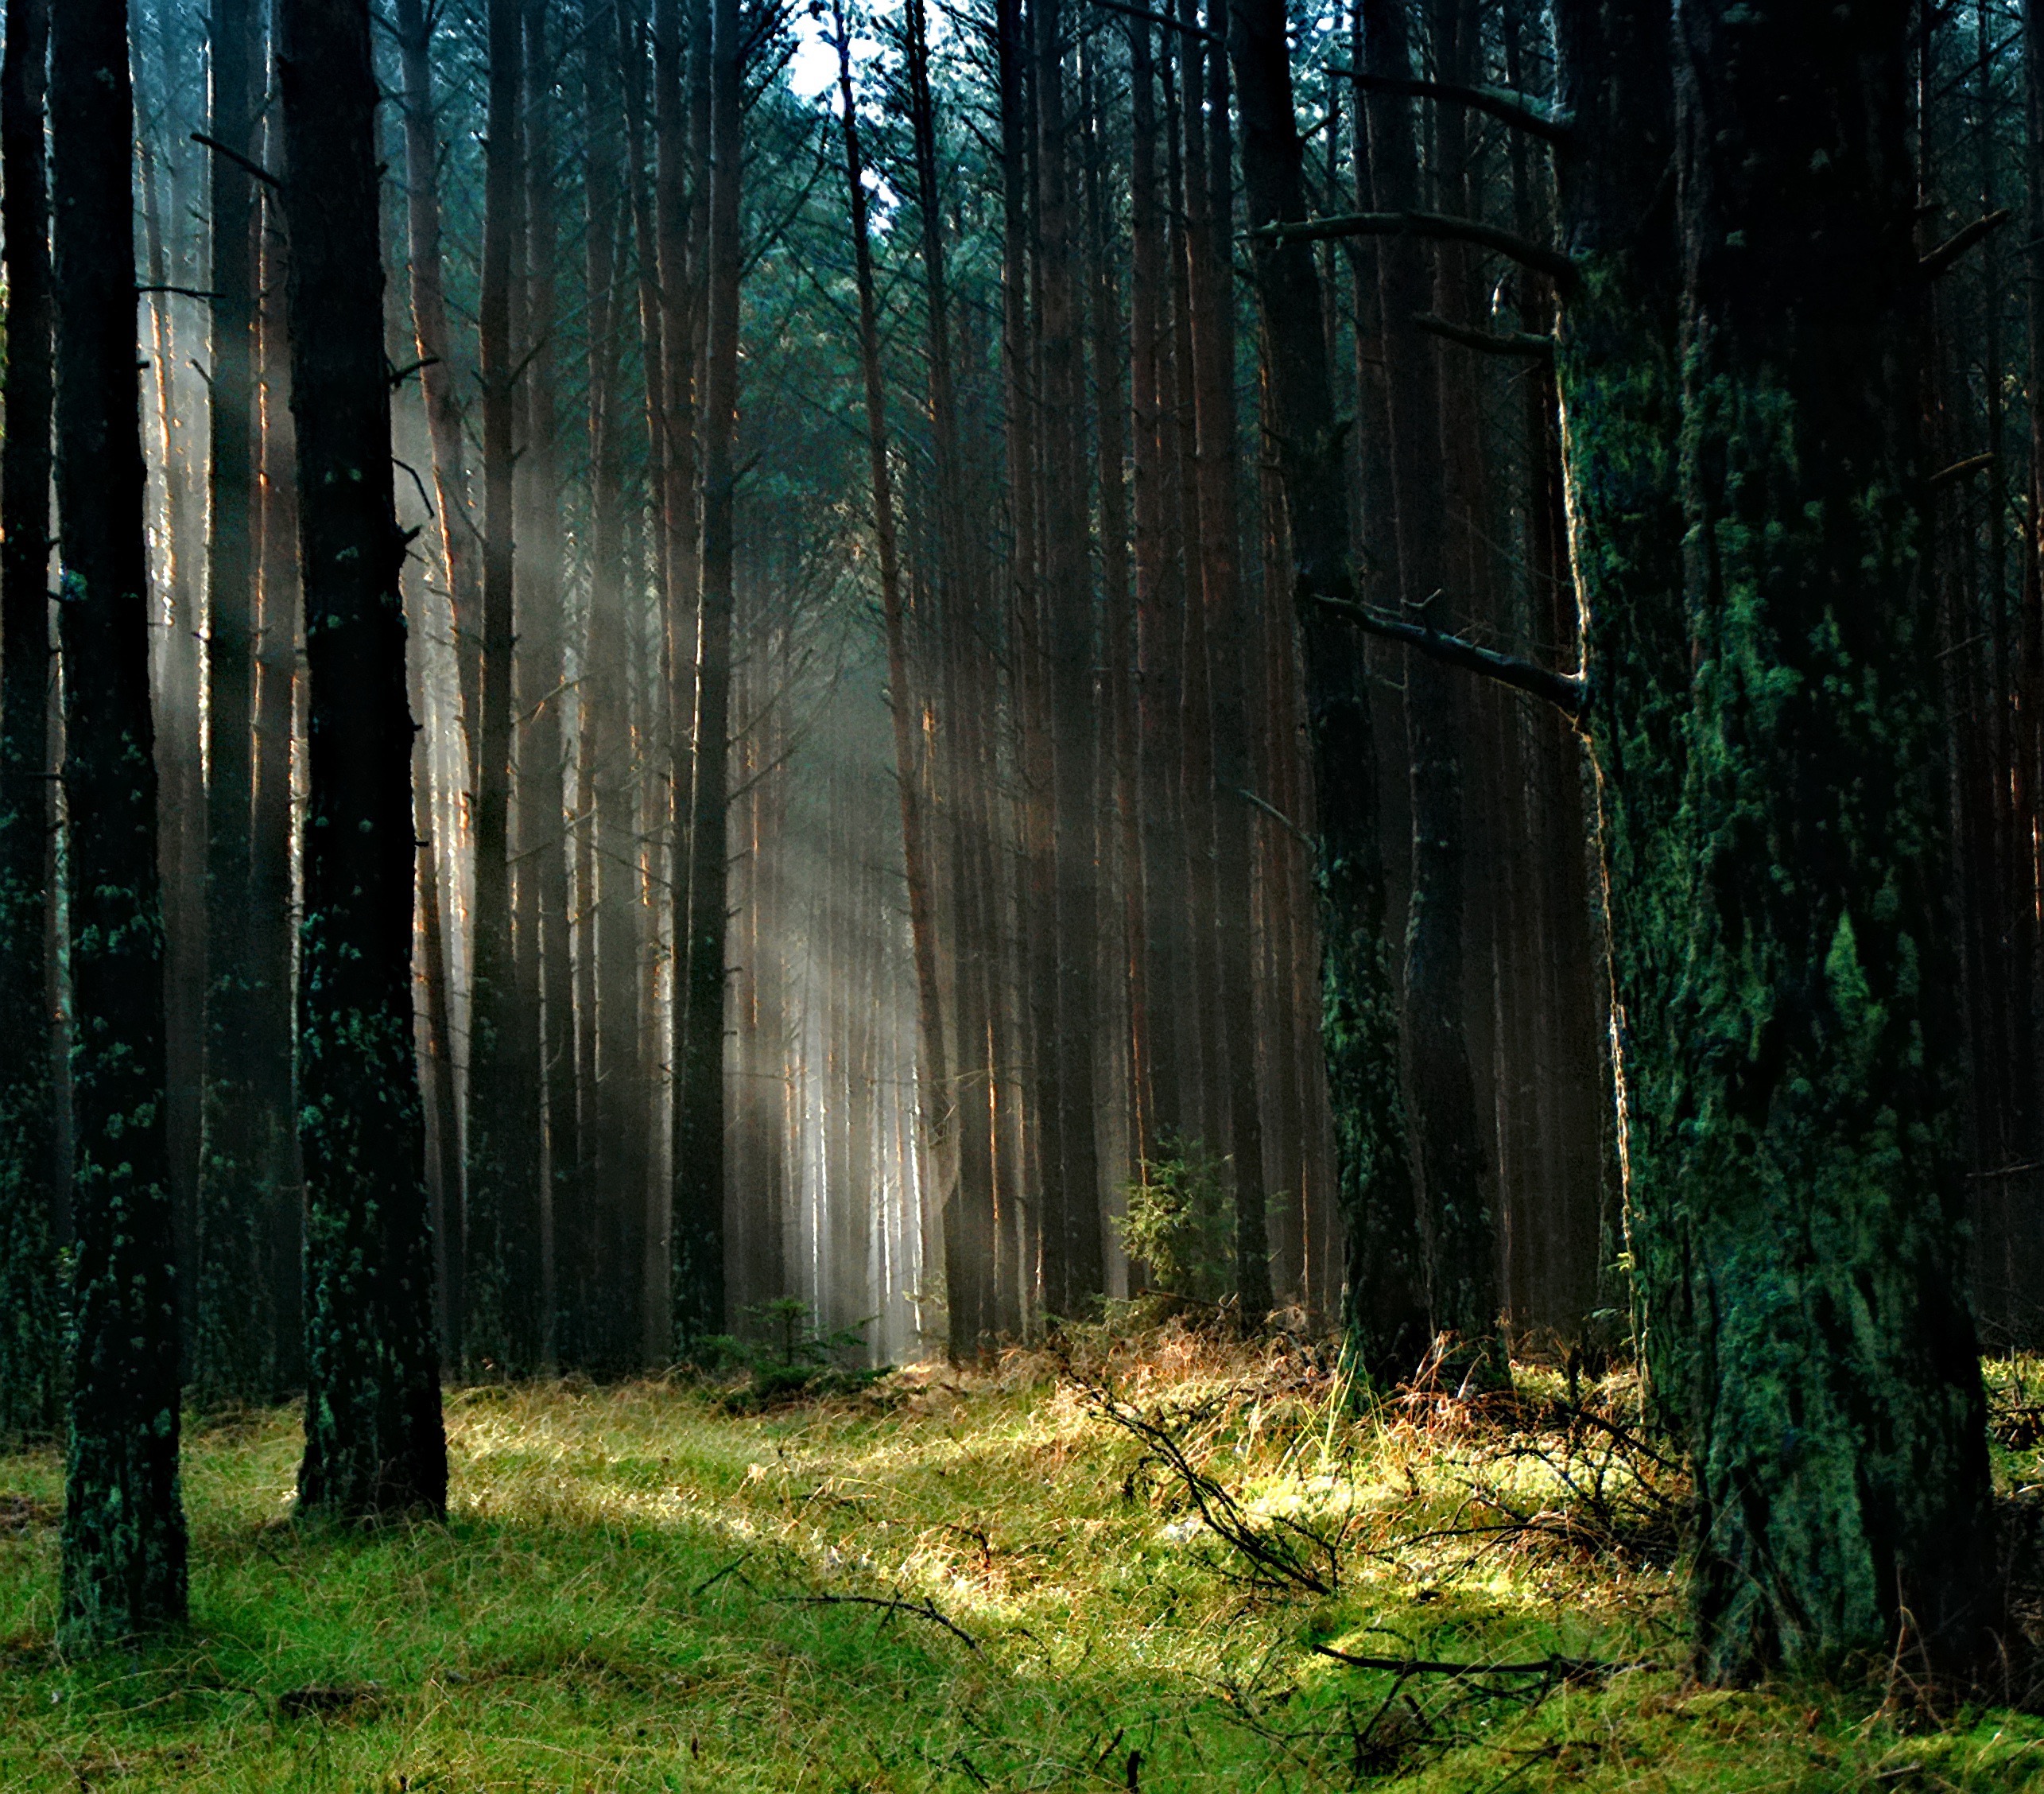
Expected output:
(1021, 893)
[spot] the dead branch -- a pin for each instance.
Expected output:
(1525, 345)
(1561, 1668)
(1501, 104)
(1940, 258)
(927, 1610)
(1435, 225)
(1563, 690)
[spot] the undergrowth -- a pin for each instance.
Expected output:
(1175, 1563)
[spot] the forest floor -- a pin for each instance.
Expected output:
(1003, 1580)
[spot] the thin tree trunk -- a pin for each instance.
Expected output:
(437, 377)
(505, 1320)
(696, 1246)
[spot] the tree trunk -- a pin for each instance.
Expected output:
(1386, 1322)
(231, 1345)
(271, 843)
(1833, 1386)
(374, 1443)
(696, 1244)
(123, 1566)
(1231, 633)
(30, 1341)
(1072, 1271)
(1456, 1230)
(940, 1121)
(505, 1323)
(437, 377)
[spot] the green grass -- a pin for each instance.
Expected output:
(637, 1590)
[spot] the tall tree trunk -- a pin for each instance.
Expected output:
(1456, 1225)
(940, 1116)
(271, 843)
(230, 1338)
(967, 1192)
(180, 760)
(30, 1344)
(696, 1242)
(1072, 1258)
(1160, 601)
(1832, 1387)
(1232, 629)
(437, 377)
(123, 1565)
(505, 1323)
(1386, 1319)
(543, 755)
(374, 1443)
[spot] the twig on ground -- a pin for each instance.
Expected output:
(926, 1609)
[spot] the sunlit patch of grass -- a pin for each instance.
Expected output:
(639, 1589)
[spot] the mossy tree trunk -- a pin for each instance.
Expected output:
(374, 1443)
(1810, 1218)
(30, 1350)
(123, 1541)
(1617, 377)
(1386, 1319)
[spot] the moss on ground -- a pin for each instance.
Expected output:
(639, 1589)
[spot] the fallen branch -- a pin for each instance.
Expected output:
(893, 1605)
(1284, 1555)
(1563, 690)
(1565, 1669)
(1438, 225)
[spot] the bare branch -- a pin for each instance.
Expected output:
(1563, 690)
(1551, 262)
(1513, 109)
(1565, 1669)
(1524, 344)
(239, 160)
(1940, 258)
(1959, 470)
(1145, 17)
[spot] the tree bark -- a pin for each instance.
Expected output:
(1456, 1230)
(696, 1244)
(123, 1562)
(30, 1341)
(435, 343)
(1386, 1321)
(1831, 1381)
(505, 1323)
(232, 1343)
(374, 1443)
